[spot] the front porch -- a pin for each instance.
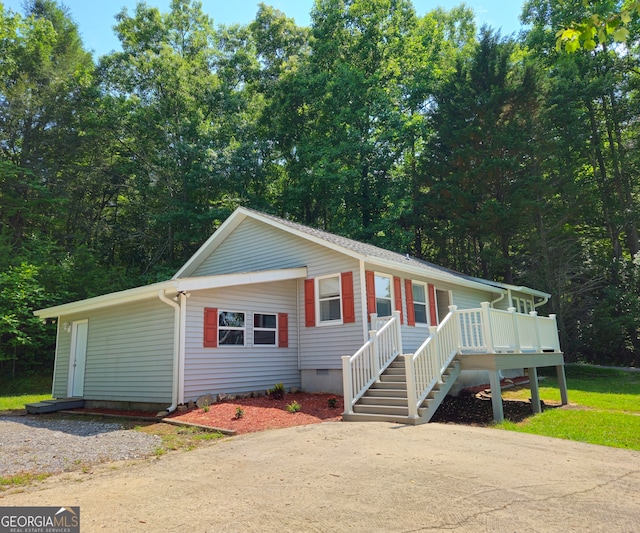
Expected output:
(382, 383)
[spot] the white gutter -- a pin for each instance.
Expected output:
(176, 349)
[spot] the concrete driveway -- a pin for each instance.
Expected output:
(361, 477)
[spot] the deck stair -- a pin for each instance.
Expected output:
(386, 399)
(51, 406)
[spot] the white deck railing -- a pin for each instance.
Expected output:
(489, 330)
(425, 367)
(363, 368)
(465, 331)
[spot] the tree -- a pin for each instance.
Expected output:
(478, 178)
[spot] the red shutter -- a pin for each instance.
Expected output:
(397, 289)
(432, 305)
(210, 327)
(411, 315)
(370, 282)
(283, 330)
(309, 303)
(348, 300)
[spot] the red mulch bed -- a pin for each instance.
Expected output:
(265, 413)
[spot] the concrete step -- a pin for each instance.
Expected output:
(366, 417)
(382, 409)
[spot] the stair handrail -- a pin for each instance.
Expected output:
(427, 365)
(363, 368)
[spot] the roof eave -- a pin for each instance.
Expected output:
(434, 274)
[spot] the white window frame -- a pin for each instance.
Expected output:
(232, 328)
(334, 322)
(391, 290)
(274, 329)
(426, 302)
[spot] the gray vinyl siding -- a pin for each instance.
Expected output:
(254, 246)
(237, 369)
(129, 353)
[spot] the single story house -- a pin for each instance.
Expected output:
(266, 300)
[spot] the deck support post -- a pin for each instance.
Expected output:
(535, 394)
(496, 395)
(562, 383)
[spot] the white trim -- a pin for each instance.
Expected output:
(171, 288)
(363, 302)
(425, 286)
(391, 291)
(319, 321)
(254, 329)
(233, 328)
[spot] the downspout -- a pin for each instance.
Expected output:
(493, 302)
(176, 349)
(540, 303)
(183, 340)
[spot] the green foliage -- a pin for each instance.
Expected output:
(293, 407)
(23, 337)
(239, 413)
(332, 402)
(277, 392)
(595, 28)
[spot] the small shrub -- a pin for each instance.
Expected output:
(333, 402)
(206, 407)
(277, 392)
(239, 413)
(293, 407)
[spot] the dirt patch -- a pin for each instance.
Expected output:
(477, 410)
(259, 414)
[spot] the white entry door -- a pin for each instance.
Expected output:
(78, 357)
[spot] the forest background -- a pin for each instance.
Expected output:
(501, 157)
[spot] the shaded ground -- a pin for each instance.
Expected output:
(476, 410)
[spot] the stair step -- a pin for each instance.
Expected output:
(394, 371)
(381, 409)
(397, 363)
(386, 393)
(382, 400)
(51, 406)
(378, 385)
(366, 417)
(391, 377)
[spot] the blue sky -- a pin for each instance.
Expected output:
(95, 18)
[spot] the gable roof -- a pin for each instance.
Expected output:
(359, 250)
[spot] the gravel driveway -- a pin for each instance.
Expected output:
(39, 444)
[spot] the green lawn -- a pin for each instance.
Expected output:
(604, 408)
(15, 393)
